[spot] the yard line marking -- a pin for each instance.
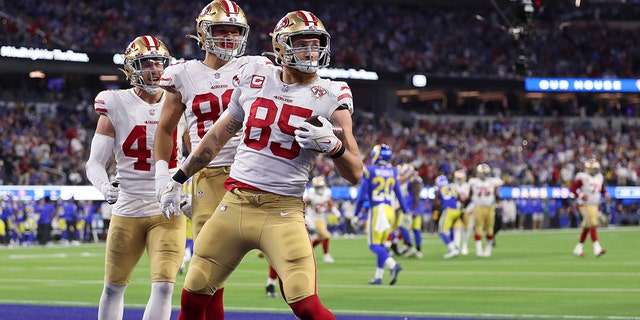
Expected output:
(53, 255)
(48, 302)
(38, 256)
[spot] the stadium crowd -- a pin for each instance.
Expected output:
(47, 148)
(594, 40)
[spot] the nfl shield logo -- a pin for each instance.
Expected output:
(152, 112)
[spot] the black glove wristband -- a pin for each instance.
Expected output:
(338, 153)
(180, 177)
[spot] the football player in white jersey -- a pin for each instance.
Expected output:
(200, 90)
(263, 208)
(319, 204)
(588, 188)
(463, 228)
(484, 193)
(126, 127)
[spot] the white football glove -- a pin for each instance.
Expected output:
(320, 139)
(170, 199)
(185, 205)
(162, 177)
(110, 192)
(407, 220)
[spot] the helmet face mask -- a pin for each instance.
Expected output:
(214, 33)
(592, 166)
(460, 176)
(319, 183)
(381, 154)
(300, 41)
(145, 59)
(483, 171)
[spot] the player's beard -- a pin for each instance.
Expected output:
(301, 77)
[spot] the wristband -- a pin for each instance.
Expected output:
(338, 153)
(180, 177)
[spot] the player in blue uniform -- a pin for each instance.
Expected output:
(447, 198)
(413, 220)
(379, 186)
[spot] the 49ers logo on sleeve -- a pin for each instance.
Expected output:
(256, 81)
(318, 91)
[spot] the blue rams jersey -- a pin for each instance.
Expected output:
(379, 185)
(448, 196)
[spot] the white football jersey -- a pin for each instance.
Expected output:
(135, 123)
(463, 190)
(206, 93)
(268, 156)
(484, 190)
(591, 187)
(318, 204)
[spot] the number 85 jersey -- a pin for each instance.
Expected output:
(135, 123)
(268, 156)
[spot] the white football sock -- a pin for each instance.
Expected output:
(379, 273)
(457, 237)
(159, 305)
(479, 247)
(111, 302)
(390, 262)
(596, 247)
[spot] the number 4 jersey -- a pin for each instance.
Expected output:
(135, 123)
(268, 156)
(206, 93)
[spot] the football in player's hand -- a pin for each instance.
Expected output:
(314, 120)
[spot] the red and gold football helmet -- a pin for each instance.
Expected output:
(460, 176)
(592, 166)
(300, 23)
(483, 171)
(146, 55)
(318, 183)
(226, 13)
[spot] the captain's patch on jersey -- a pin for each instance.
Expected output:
(318, 91)
(256, 81)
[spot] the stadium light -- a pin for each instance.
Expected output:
(108, 77)
(419, 80)
(37, 74)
